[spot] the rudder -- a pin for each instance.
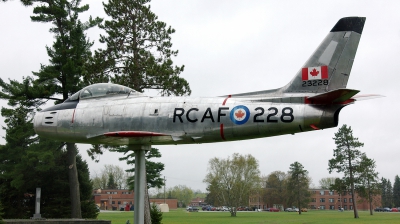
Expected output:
(330, 65)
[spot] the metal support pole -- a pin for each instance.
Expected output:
(140, 181)
(37, 204)
(164, 191)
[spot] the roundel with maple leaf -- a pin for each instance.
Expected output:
(240, 114)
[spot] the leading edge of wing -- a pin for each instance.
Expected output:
(131, 138)
(134, 134)
(154, 136)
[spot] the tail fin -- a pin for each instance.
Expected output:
(329, 66)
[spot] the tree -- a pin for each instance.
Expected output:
(183, 193)
(27, 162)
(234, 179)
(326, 182)
(111, 183)
(396, 191)
(153, 169)
(1, 213)
(101, 179)
(138, 50)
(347, 159)
(138, 54)
(298, 184)
(198, 194)
(69, 55)
(156, 214)
(275, 188)
(340, 186)
(386, 192)
(368, 179)
(213, 197)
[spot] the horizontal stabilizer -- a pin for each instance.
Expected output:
(339, 96)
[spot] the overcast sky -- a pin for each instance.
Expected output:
(240, 46)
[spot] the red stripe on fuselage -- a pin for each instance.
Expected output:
(221, 131)
(229, 96)
(221, 127)
(73, 116)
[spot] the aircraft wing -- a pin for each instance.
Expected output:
(134, 138)
(134, 134)
(130, 137)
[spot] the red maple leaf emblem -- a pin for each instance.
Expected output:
(314, 72)
(239, 114)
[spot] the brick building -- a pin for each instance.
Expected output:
(324, 200)
(330, 200)
(198, 202)
(108, 199)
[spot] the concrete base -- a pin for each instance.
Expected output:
(56, 221)
(164, 208)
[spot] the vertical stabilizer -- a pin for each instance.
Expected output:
(330, 65)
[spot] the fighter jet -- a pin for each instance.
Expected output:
(113, 114)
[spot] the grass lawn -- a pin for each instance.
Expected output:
(181, 216)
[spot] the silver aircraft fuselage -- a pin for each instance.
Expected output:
(137, 119)
(117, 115)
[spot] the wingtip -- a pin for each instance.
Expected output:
(367, 96)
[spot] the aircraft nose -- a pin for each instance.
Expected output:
(45, 123)
(37, 120)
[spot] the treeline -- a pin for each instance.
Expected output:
(390, 194)
(232, 181)
(182, 193)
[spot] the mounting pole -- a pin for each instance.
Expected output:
(37, 204)
(164, 191)
(140, 181)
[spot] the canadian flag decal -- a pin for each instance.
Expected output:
(312, 73)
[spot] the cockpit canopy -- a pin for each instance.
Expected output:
(102, 90)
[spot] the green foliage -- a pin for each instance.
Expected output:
(346, 155)
(102, 179)
(27, 162)
(1, 213)
(183, 193)
(368, 180)
(325, 183)
(386, 193)
(233, 179)
(155, 214)
(212, 197)
(33, 170)
(153, 169)
(70, 50)
(340, 186)
(138, 52)
(111, 183)
(297, 185)
(346, 159)
(396, 191)
(275, 191)
(68, 55)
